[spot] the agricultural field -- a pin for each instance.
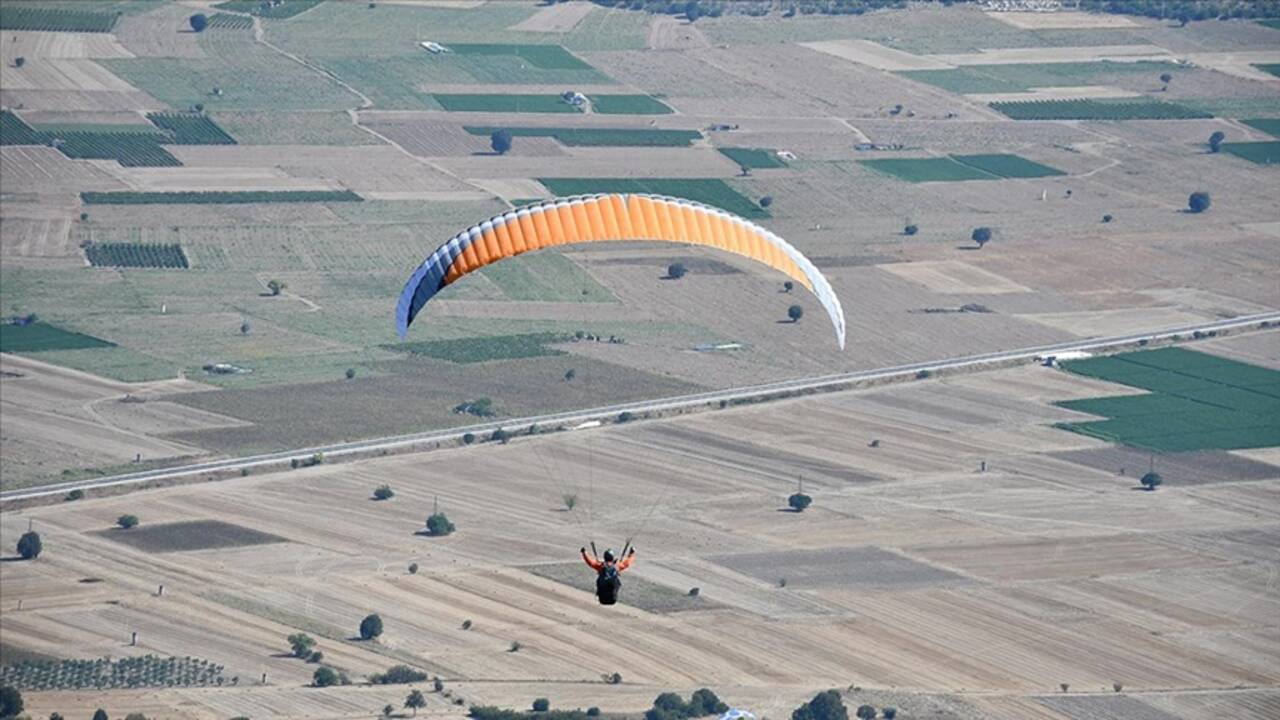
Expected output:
(712, 192)
(753, 158)
(1195, 402)
(962, 167)
(218, 198)
(142, 149)
(191, 129)
(227, 21)
(627, 105)
(1273, 68)
(15, 132)
(136, 255)
(275, 10)
(293, 128)
(41, 337)
(1260, 153)
(454, 102)
(485, 349)
(1012, 78)
(1097, 110)
(1270, 126)
(13, 17)
(598, 137)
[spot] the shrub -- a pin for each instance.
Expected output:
(593, 711)
(910, 230)
(1107, 218)
(981, 235)
(245, 328)
(135, 716)
(413, 568)
(889, 713)
(500, 435)
(415, 700)
(1198, 202)
(675, 271)
(383, 492)
(468, 438)
(466, 624)
(795, 312)
(865, 712)
(398, 675)
(788, 286)
(100, 714)
(438, 525)
(276, 286)
(1215, 140)
(438, 685)
(1065, 686)
(19, 61)
(350, 373)
(824, 706)
(695, 592)
(615, 679)
(570, 374)
(84, 216)
(570, 501)
(388, 708)
(1151, 481)
(515, 646)
(1117, 687)
(324, 677)
(766, 201)
(625, 416)
(480, 407)
(923, 375)
(705, 702)
(127, 521)
(10, 702)
(301, 643)
(799, 501)
(500, 141)
(370, 627)
(316, 657)
(76, 494)
(541, 705)
(198, 22)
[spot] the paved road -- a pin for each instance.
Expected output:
(577, 417)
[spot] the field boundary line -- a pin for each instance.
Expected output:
(606, 415)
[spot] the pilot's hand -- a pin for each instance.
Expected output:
(582, 550)
(633, 551)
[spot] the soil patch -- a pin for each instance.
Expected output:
(191, 535)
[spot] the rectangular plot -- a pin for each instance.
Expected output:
(1270, 126)
(1260, 153)
(546, 277)
(1173, 358)
(837, 568)
(598, 137)
(1085, 109)
(552, 57)
(1008, 166)
(218, 198)
(753, 157)
(636, 591)
(710, 191)
(15, 132)
(191, 129)
(276, 11)
(628, 105)
(39, 337)
(1106, 707)
(136, 255)
(484, 349)
(1130, 405)
(1181, 468)
(927, 169)
(187, 536)
(503, 103)
(1240, 399)
(13, 17)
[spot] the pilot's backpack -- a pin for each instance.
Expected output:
(607, 585)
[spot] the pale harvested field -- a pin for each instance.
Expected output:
(79, 100)
(38, 238)
(876, 55)
(1261, 349)
(669, 33)
(1239, 64)
(45, 170)
(1063, 20)
(64, 45)
(1002, 583)
(441, 139)
(161, 32)
(512, 188)
(1006, 56)
(1101, 323)
(557, 18)
(1055, 93)
(949, 277)
(217, 178)
(63, 74)
(585, 162)
(376, 168)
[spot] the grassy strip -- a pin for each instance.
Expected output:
(39, 337)
(13, 17)
(1261, 153)
(503, 103)
(599, 137)
(708, 191)
(218, 198)
(753, 157)
(628, 105)
(485, 349)
(1085, 109)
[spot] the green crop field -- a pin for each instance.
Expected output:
(753, 157)
(927, 169)
(15, 132)
(484, 349)
(191, 129)
(39, 337)
(294, 128)
(1261, 153)
(628, 105)
(1098, 110)
(13, 17)
(1021, 77)
(1273, 68)
(136, 255)
(1195, 402)
(1007, 166)
(593, 137)
(227, 21)
(709, 191)
(1270, 126)
(504, 103)
(549, 57)
(1273, 24)
(545, 277)
(218, 198)
(285, 9)
(130, 149)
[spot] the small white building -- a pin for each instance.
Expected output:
(433, 47)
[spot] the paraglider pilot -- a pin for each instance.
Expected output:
(607, 571)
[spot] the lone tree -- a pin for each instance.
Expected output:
(541, 705)
(415, 700)
(100, 714)
(500, 141)
(10, 702)
(570, 374)
(788, 286)
(1198, 202)
(866, 712)
(675, 271)
(981, 236)
(1215, 140)
(383, 492)
(301, 644)
(198, 22)
(276, 286)
(799, 501)
(127, 521)
(1151, 480)
(795, 312)
(438, 525)
(350, 374)
(370, 627)
(1165, 78)
(910, 230)
(705, 702)
(29, 545)
(324, 677)
(19, 61)
(824, 706)
(766, 201)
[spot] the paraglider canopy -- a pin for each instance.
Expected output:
(602, 218)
